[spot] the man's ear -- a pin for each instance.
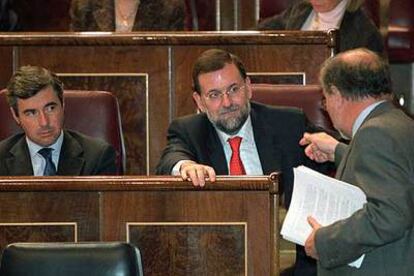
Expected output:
(15, 117)
(248, 88)
(197, 99)
(335, 92)
(340, 100)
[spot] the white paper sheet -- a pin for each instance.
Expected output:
(322, 197)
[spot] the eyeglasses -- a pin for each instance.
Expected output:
(233, 91)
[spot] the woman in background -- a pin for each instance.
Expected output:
(127, 15)
(355, 28)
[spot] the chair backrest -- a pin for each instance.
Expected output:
(64, 259)
(94, 113)
(307, 97)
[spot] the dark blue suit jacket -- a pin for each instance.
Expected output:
(80, 155)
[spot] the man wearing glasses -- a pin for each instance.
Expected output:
(233, 136)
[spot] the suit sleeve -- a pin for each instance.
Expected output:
(380, 164)
(178, 148)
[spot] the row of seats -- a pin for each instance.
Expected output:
(96, 113)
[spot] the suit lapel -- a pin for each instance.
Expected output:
(267, 147)
(216, 153)
(297, 19)
(19, 163)
(342, 164)
(71, 161)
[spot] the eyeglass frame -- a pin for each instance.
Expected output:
(227, 91)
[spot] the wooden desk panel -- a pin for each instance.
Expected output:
(166, 60)
(227, 225)
(31, 210)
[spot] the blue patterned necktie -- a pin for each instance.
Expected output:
(50, 168)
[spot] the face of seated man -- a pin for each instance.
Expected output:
(40, 116)
(225, 98)
(324, 5)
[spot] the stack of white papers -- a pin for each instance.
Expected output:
(322, 197)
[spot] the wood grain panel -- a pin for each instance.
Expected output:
(6, 68)
(73, 207)
(191, 249)
(178, 206)
(216, 224)
(40, 232)
(131, 91)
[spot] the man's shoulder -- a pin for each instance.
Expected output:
(10, 141)
(83, 139)
(390, 119)
(192, 120)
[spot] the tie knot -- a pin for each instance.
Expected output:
(46, 152)
(235, 143)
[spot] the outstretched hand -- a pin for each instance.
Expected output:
(320, 147)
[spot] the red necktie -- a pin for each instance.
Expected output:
(236, 165)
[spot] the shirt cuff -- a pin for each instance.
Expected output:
(176, 169)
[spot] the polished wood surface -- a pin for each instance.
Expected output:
(227, 227)
(150, 73)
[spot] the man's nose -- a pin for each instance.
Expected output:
(226, 100)
(43, 119)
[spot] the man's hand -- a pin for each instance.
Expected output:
(310, 247)
(320, 146)
(197, 173)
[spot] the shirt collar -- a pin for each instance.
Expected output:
(34, 148)
(246, 131)
(363, 115)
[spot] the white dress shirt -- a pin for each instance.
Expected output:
(38, 162)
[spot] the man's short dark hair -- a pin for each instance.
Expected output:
(368, 76)
(27, 81)
(213, 60)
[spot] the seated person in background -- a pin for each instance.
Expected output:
(355, 28)
(127, 15)
(35, 96)
(379, 160)
(8, 18)
(233, 136)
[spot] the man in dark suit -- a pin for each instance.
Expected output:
(35, 96)
(201, 146)
(379, 160)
